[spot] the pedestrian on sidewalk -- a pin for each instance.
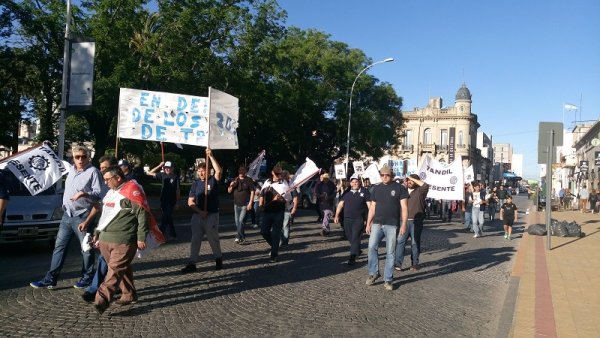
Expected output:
(170, 193)
(354, 206)
(82, 192)
(204, 201)
(272, 202)
(388, 209)
(242, 188)
(122, 229)
(477, 213)
(508, 216)
(417, 192)
(583, 196)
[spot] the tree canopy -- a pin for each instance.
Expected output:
(293, 85)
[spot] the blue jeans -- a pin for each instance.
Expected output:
(66, 230)
(492, 211)
(99, 276)
(411, 228)
(285, 234)
(478, 221)
(240, 214)
(468, 220)
(378, 231)
(270, 229)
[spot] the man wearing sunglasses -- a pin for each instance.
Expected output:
(82, 190)
(387, 210)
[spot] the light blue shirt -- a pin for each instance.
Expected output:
(88, 180)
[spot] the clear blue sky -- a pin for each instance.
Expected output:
(520, 59)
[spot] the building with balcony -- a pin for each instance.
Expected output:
(441, 132)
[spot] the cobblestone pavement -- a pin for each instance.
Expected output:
(310, 291)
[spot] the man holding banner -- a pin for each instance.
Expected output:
(388, 202)
(273, 203)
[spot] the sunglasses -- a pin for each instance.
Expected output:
(80, 157)
(110, 178)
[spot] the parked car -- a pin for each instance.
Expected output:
(31, 218)
(307, 198)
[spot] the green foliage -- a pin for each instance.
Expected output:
(293, 85)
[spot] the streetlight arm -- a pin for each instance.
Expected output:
(350, 106)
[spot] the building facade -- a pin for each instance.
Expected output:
(444, 133)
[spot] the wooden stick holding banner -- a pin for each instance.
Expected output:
(162, 151)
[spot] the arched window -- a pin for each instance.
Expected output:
(461, 137)
(427, 136)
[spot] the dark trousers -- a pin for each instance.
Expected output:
(167, 219)
(270, 229)
(353, 228)
(418, 230)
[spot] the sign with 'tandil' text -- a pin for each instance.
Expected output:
(445, 182)
(164, 117)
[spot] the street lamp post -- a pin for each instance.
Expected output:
(350, 107)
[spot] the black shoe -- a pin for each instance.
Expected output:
(218, 263)
(190, 267)
(352, 260)
(273, 260)
(100, 308)
(88, 297)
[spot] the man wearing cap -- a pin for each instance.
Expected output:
(325, 198)
(204, 201)
(354, 203)
(417, 193)
(169, 195)
(242, 188)
(126, 168)
(388, 202)
(273, 202)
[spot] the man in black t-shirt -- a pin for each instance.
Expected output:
(169, 194)
(273, 203)
(354, 203)
(204, 201)
(508, 215)
(388, 209)
(242, 188)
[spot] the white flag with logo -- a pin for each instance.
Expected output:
(469, 174)
(38, 168)
(304, 173)
(446, 182)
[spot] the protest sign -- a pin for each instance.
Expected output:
(224, 114)
(340, 171)
(445, 182)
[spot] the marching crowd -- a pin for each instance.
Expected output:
(108, 206)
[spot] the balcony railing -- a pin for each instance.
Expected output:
(441, 148)
(407, 148)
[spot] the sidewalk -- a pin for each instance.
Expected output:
(558, 292)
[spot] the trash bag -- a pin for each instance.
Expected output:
(537, 230)
(573, 229)
(559, 228)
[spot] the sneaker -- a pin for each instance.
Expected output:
(43, 284)
(190, 267)
(372, 279)
(88, 297)
(398, 267)
(254, 226)
(273, 260)
(218, 263)
(81, 284)
(505, 235)
(414, 267)
(388, 286)
(476, 236)
(236, 240)
(241, 241)
(352, 260)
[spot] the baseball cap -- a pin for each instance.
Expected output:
(354, 177)
(123, 162)
(168, 164)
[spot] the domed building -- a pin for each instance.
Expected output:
(444, 133)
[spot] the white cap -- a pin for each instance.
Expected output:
(354, 177)
(168, 164)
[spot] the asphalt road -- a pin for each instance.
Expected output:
(459, 291)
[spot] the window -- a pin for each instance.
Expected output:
(408, 138)
(427, 136)
(444, 137)
(461, 137)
